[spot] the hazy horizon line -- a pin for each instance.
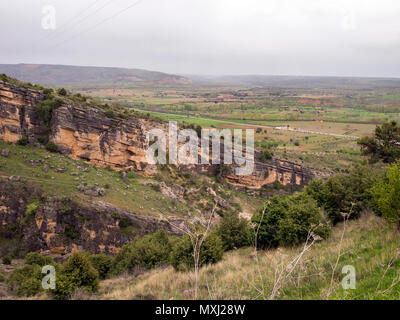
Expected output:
(207, 74)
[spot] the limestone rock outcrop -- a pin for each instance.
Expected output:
(88, 134)
(63, 225)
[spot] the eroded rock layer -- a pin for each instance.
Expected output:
(88, 134)
(30, 221)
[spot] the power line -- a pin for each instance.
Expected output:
(98, 24)
(92, 13)
(68, 22)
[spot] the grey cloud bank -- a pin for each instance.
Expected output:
(296, 37)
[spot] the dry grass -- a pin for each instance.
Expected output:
(368, 244)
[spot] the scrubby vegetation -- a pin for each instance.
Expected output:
(384, 145)
(76, 273)
(287, 221)
(386, 195)
(234, 231)
(369, 244)
(182, 252)
(278, 238)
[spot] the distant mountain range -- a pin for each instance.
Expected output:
(81, 76)
(55, 75)
(300, 82)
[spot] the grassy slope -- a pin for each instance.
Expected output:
(134, 195)
(369, 245)
(137, 198)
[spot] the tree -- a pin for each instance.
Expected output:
(288, 220)
(62, 92)
(233, 231)
(102, 263)
(345, 192)
(386, 194)
(384, 145)
(148, 252)
(76, 273)
(36, 258)
(182, 254)
(197, 230)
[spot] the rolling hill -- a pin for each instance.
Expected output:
(56, 75)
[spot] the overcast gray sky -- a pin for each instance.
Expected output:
(273, 37)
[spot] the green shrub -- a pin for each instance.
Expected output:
(77, 272)
(233, 231)
(30, 212)
(52, 147)
(386, 194)
(102, 263)
(35, 258)
(148, 252)
(29, 287)
(266, 155)
(287, 221)
(384, 145)
(62, 92)
(277, 185)
(345, 192)
(2, 277)
(181, 257)
(115, 215)
(47, 91)
(25, 281)
(44, 109)
(110, 114)
(7, 260)
(23, 141)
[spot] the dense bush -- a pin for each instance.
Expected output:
(102, 263)
(110, 114)
(288, 220)
(30, 212)
(52, 147)
(181, 257)
(77, 272)
(62, 92)
(345, 193)
(148, 252)
(23, 141)
(384, 145)
(386, 195)
(44, 109)
(233, 231)
(35, 258)
(26, 281)
(266, 155)
(7, 260)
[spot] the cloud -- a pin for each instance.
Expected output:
(314, 37)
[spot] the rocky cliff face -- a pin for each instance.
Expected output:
(275, 170)
(33, 222)
(87, 134)
(17, 117)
